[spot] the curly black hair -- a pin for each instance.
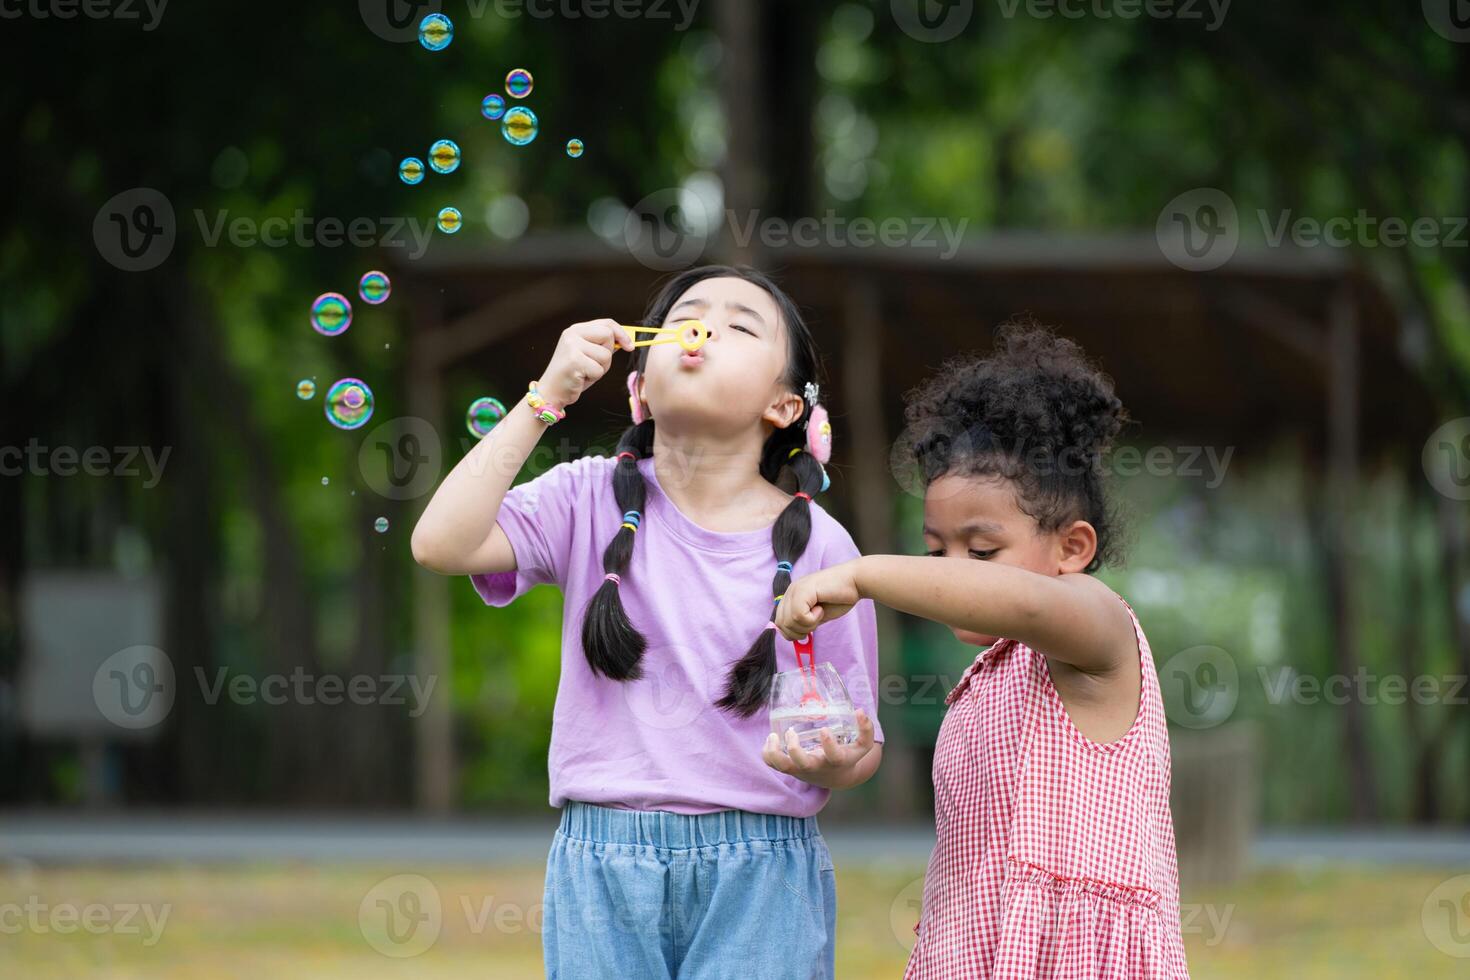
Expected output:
(1034, 411)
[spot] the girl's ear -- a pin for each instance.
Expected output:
(1078, 545)
(785, 410)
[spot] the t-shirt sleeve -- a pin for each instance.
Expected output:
(537, 518)
(850, 643)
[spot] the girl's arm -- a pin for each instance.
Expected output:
(1072, 618)
(458, 533)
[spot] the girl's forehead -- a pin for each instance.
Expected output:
(955, 504)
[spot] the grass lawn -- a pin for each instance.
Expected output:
(288, 921)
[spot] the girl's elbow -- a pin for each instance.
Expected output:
(428, 551)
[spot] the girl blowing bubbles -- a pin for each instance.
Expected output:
(1055, 854)
(681, 851)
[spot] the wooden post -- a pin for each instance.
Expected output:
(737, 22)
(1342, 481)
(872, 496)
(434, 762)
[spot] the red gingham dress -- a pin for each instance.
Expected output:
(1055, 855)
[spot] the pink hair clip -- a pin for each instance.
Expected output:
(819, 435)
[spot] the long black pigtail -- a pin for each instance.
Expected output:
(748, 684)
(613, 645)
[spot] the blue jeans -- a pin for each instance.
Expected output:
(652, 895)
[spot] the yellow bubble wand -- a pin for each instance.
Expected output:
(690, 335)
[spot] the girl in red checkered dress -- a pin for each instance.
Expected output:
(1055, 855)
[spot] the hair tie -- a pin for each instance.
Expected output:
(805, 496)
(784, 566)
(614, 578)
(632, 456)
(770, 626)
(632, 519)
(793, 452)
(780, 597)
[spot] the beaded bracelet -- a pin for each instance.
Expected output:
(545, 411)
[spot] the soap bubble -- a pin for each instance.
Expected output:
(305, 389)
(444, 156)
(331, 314)
(450, 220)
(575, 148)
(518, 83)
(492, 106)
(411, 170)
(435, 32)
(374, 287)
(380, 525)
(325, 481)
(482, 415)
(349, 403)
(519, 125)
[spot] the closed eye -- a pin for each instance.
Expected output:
(744, 329)
(982, 555)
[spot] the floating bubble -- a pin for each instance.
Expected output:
(411, 170)
(518, 83)
(435, 32)
(450, 220)
(482, 416)
(575, 148)
(519, 125)
(380, 525)
(349, 403)
(444, 156)
(331, 314)
(492, 106)
(374, 287)
(325, 481)
(305, 389)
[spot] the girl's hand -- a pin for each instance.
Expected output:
(583, 355)
(817, 598)
(834, 767)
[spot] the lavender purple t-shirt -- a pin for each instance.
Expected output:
(700, 597)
